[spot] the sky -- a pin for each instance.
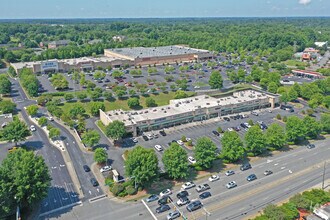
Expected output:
(20, 9)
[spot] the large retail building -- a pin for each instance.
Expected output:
(181, 111)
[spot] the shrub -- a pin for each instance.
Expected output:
(285, 119)
(303, 112)
(198, 168)
(183, 139)
(122, 194)
(49, 126)
(250, 154)
(278, 117)
(116, 189)
(219, 129)
(190, 143)
(131, 190)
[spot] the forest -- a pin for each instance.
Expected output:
(278, 37)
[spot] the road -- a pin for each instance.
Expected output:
(293, 171)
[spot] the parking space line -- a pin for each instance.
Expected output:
(147, 207)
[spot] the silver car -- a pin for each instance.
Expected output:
(173, 215)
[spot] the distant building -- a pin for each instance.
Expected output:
(323, 212)
(321, 44)
(119, 38)
(58, 43)
(307, 74)
(95, 41)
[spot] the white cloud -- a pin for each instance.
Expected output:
(304, 2)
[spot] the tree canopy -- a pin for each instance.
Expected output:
(255, 140)
(232, 146)
(90, 138)
(116, 130)
(100, 156)
(175, 161)
(16, 131)
(216, 80)
(205, 152)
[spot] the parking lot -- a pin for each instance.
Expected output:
(297, 79)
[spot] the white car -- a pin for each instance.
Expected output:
(214, 178)
(135, 140)
(165, 192)
(105, 169)
(188, 185)
(230, 172)
(231, 184)
(32, 128)
(254, 113)
(158, 147)
(180, 142)
(50, 118)
(188, 139)
(197, 87)
(230, 129)
(150, 136)
(191, 160)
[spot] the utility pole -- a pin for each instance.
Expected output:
(323, 176)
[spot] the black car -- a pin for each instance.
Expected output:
(152, 198)
(245, 167)
(216, 133)
(163, 208)
(226, 119)
(243, 125)
(291, 110)
(182, 194)
(106, 80)
(94, 182)
(204, 195)
(145, 138)
(164, 200)
(251, 177)
(86, 168)
(162, 133)
(194, 206)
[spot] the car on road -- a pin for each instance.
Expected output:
(188, 185)
(194, 205)
(32, 128)
(310, 146)
(105, 169)
(182, 194)
(231, 184)
(245, 167)
(86, 168)
(251, 177)
(183, 201)
(268, 172)
(204, 195)
(50, 118)
(173, 215)
(230, 172)
(152, 198)
(163, 208)
(162, 133)
(164, 200)
(191, 160)
(158, 147)
(214, 178)
(216, 133)
(94, 182)
(165, 192)
(180, 142)
(203, 187)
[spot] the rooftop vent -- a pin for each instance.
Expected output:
(207, 103)
(196, 98)
(177, 105)
(218, 101)
(164, 111)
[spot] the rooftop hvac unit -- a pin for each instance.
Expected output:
(218, 101)
(168, 107)
(196, 98)
(162, 108)
(207, 103)
(206, 97)
(176, 105)
(164, 111)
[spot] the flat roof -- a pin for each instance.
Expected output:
(144, 52)
(181, 106)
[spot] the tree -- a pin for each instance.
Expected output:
(169, 69)
(150, 102)
(82, 96)
(295, 129)
(133, 102)
(272, 212)
(175, 161)
(5, 85)
(249, 60)
(216, 80)
(232, 146)
(6, 106)
(255, 140)
(325, 122)
(42, 121)
(180, 94)
(100, 155)
(120, 93)
(90, 138)
(76, 110)
(272, 87)
(16, 131)
(99, 75)
(275, 136)
(54, 133)
(59, 81)
(312, 127)
(68, 96)
(116, 130)
(292, 94)
(205, 152)
(142, 164)
(32, 110)
(117, 74)
(24, 180)
(95, 108)
(284, 97)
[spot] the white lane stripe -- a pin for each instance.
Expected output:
(152, 214)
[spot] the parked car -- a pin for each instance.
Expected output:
(163, 208)
(191, 160)
(164, 200)
(105, 169)
(231, 184)
(214, 178)
(145, 138)
(94, 182)
(12, 149)
(150, 136)
(194, 206)
(180, 142)
(226, 119)
(33, 128)
(152, 198)
(204, 195)
(86, 168)
(50, 118)
(135, 140)
(254, 113)
(181, 194)
(188, 185)
(310, 146)
(173, 215)
(183, 201)
(165, 192)
(245, 167)
(216, 133)
(230, 129)
(230, 172)
(162, 133)
(251, 177)
(203, 187)
(268, 172)
(158, 147)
